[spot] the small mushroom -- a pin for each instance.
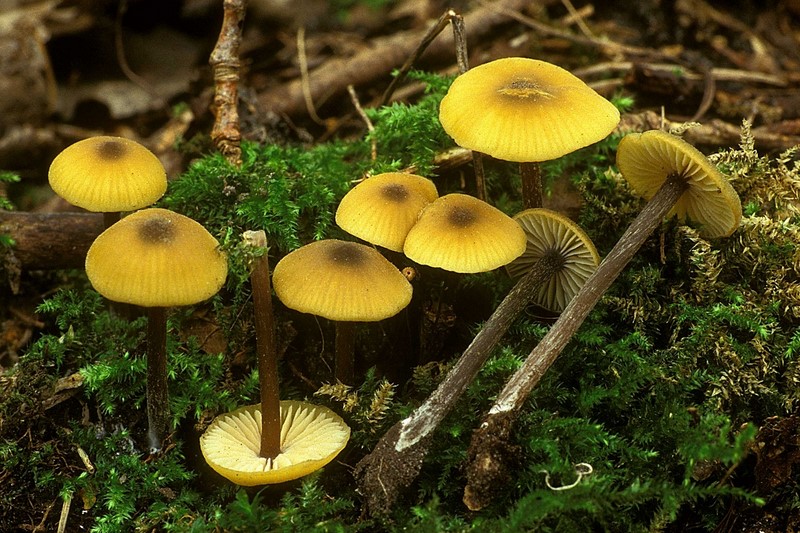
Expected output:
(156, 259)
(527, 111)
(382, 209)
(552, 234)
(345, 282)
(460, 233)
(108, 175)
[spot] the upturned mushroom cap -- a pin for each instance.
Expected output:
(462, 234)
(524, 110)
(382, 209)
(646, 159)
(156, 258)
(548, 232)
(311, 436)
(108, 174)
(340, 280)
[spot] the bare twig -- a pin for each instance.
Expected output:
(365, 118)
(224, 60)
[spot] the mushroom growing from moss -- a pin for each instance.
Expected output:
(383, 208)
(526, 111)
(460, 233)
(345, 282)
(156, 259)
(108, 175)
(678, 179)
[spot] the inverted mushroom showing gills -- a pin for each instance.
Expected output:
(678, 179)
(156, 259)
(383, 208)
(345, 282)
(108, 175)
(526, 111)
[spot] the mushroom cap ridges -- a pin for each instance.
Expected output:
(311, 436)
(156, 258)
(460, 233)
(108, 174)
(341, 280)
(646, 159)
(524, 110)
(382, 209)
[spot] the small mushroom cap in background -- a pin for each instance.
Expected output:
(524, 110)
(156, 258)
(646, 159)
(548, 232)
(382, 209)
(340, 280)
(311, 436)
(460, 233)
(108, 174)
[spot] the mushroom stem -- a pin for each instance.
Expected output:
(265, 349)
(345, 350)
(531, 176)
(480, 175)
(483, 463)
(406, 443)
(157, 391)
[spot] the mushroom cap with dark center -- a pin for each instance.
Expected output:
(647, 159)
(460, 233)
(340, 280)
(549, 232)
(156, 258)
(108, 174)
(311, 436)
(382, 209)
(524, 110)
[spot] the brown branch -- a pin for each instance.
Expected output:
(224, 60)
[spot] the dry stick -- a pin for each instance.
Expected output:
(265, 348)
(406, 443)
(224, 60)
(483, 471)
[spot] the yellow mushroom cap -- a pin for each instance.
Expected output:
(524, 110)
(646, 159)
(548, 231)
(343, 281)
(311, 436)
(460, 233)
(382, 209)
(108, 174)
(156, 258)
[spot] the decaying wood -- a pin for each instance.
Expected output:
(224, 59)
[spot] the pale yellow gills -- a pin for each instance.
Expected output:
(342, 281)
(646, 159)
(460, 233)
(311, 437)
(108, 174)
(156, 258)
(550, 232)
(382, 209)
(524, 110)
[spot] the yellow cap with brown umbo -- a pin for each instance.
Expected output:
(382, 209)
(311, 436)
(460, 233)
(108, 174)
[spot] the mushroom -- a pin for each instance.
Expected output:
(677, 179)
(108, 174)
(345, 282)
(460, 233)
(382, 209)
(156, 259)
(527, 111)
(550, 233)
(310, 437)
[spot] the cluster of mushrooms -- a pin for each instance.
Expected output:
(171, 260)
